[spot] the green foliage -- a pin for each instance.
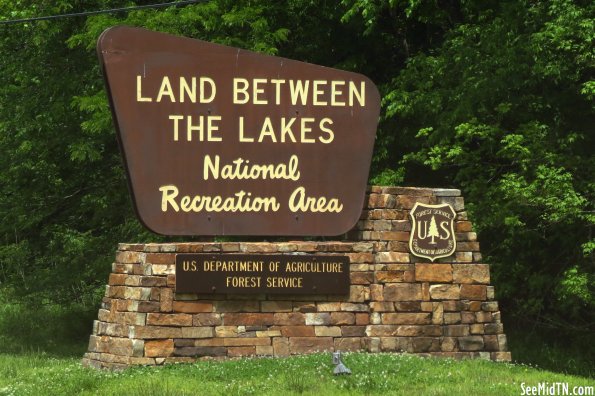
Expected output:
(504, 109)
(494, 97)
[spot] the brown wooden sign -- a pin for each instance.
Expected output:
(223, 141)
(262, 274)
(432, 231)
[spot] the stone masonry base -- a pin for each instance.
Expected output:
(397, 302)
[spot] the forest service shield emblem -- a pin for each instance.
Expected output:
(432, 231)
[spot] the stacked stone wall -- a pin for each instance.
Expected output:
(397, 302)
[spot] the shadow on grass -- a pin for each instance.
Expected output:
(559, 350)
(48, 329)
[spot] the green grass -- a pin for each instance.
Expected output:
(374, 374)
(51, 329)
(554, 350)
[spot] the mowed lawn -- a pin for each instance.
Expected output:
(373, 374)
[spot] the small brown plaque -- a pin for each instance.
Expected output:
(432, 231)
(266, 274)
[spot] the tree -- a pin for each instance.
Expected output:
(433, 231)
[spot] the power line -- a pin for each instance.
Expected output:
(113, 10)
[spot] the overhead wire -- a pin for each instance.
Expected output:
(98, 12)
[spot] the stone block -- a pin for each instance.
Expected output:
(437, 313)
(393, 276)
(290, 318)
(501, 356)
(304, 307)
(394, 330)
(391, 257)
(408, 306)
(483, 317)
(357, 294)
(425, 344)
(206, 319)
(396, 344)
(473, 292)
(376, 292)
(166, 299)
(463, 257)
(450, 306)
(400, 225)
(318, 319)
(276, 306)
(197, 332)
(471, 343)
(280, 346)
(160, 269)
(154, 332)
(362, 318)
(471, 273)
(264, 350)
(258, 247)
(159, 319)
(354, 307)
(491, 343)
(490, 306)
(444, 292)
(152, 281)
(130, 257)
(342, 318)
(466, 317)
(375, 318)
(452, 318)
(433, 272)
(502, 342)
(493, 328)
(490, 292)
(192, 306)
(353, 331)
(226, 331)
(361, 257)
(241, 351)
(382, 306)
(402, 292)
(348, 344)
(457, 203)
(268, 333)
(248, 319)
(448, 344)
(463, 226)
(246, 341)
(408, 201)
(159, 348)
(200, 351)
(372, 344)
(298, 345)
(468, 247)
(230, 247)
(476, 328)
(456, 330)
(236, 306)
(328, 306)
(361, 277)
(406, 318)
(297, 331)
(327, 331)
